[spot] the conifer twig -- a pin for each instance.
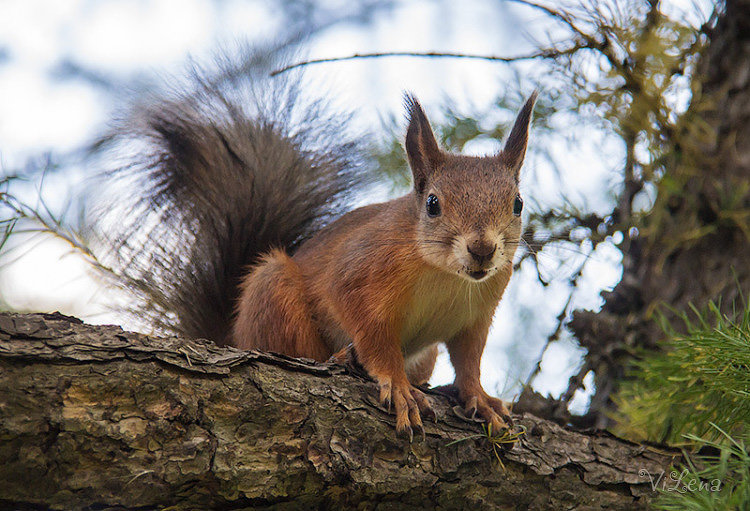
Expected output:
(543, 54)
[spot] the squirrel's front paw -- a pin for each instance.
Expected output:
(409, 404)
(489, 408)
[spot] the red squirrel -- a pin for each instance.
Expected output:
(397, 278)
(393, 279)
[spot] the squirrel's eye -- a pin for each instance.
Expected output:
(433, 206)
(517, 206)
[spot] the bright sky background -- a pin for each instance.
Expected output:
(39, 112)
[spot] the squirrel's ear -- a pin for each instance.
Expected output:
(421, 147)
(515, 148)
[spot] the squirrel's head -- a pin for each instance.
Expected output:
(469, 207)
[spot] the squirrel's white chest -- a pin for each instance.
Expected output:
(439, 308)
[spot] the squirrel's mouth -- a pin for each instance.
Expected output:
(477, 274)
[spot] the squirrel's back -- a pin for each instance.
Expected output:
(220, 170)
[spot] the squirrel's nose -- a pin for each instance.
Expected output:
(481, 252)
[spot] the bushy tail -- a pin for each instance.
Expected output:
(210, 177)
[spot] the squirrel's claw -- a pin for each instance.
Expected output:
(497, 424)
(470, 409)
(499, 407)
(420, 430)
(406, 432)
(507, 419)
(408, 403)
(386, 394)
(490, 409)
(424, 405)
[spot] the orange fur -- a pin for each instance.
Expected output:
(395, 280)
(275, 315)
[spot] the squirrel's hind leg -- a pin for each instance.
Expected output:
(272, 313)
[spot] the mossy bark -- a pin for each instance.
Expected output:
(95, 417)
(694, 244)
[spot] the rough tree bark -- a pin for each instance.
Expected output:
(95, 417)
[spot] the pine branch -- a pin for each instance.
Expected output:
(541, 54)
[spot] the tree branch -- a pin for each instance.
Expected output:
(545, 53)
(94, 417)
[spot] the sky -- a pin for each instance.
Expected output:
(43, 108)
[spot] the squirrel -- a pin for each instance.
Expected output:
(240, 234)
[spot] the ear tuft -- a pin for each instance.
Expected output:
(422, 149)
(515, 148)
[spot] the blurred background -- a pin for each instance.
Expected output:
(614, 76)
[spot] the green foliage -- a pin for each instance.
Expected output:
(698, 388)
(7, 221)
(499, 441)
(390, 157)
(696, 393)
(710, 482)
(7, 225)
